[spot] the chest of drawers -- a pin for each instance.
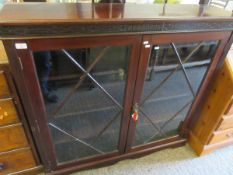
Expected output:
(214, 128)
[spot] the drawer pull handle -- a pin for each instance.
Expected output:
(1, 166)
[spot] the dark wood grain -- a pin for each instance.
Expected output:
(76, 30)
(105, 19)
(129, 90)
(92, 25)
(143, 62)
(136, 69)
(36, 105)
(18, 80)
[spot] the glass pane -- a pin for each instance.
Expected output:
(174, 74)
(83, 92)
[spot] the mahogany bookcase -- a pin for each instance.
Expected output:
(104, 82)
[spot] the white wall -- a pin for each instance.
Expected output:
(151, 1)
(140, 1)
(190, 1)
(229, 7)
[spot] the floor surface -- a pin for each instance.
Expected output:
(178, 161)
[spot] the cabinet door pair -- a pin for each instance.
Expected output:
(96, 97)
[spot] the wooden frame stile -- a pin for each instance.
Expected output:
(144, 59)
(27, 81)
(18, 72)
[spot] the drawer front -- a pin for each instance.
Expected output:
(220, 136)
(12, 137)
(226, 123)
(16, 161)
(8, 114)
(4, 92)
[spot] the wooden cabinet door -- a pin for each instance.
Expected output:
(79, 93)
(173, 75)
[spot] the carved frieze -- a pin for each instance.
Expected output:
(77, 29)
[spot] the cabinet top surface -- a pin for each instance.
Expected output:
(41, 13)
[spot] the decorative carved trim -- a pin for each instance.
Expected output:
(20, 31)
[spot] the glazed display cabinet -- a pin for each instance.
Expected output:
(101, 86)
